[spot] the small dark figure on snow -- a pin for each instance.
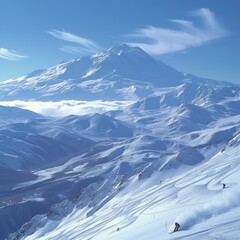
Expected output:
(177, 226)
(224, 185)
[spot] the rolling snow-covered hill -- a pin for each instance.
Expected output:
(122, 174)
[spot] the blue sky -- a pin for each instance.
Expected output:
(199, 37)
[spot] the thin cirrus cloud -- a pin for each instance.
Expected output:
(157, 41)
(82, 44)
(11, 55)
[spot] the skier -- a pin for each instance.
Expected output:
(224, 185)
(177, 226)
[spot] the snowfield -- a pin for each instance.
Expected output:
(147, 208)
(135, 147)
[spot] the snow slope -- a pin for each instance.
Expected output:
(145, 194)
(147, 209)
(14, 113)
(128, 173)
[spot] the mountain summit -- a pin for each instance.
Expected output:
(134, 63)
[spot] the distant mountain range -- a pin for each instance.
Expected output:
(125, 174)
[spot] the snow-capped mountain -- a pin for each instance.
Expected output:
(118, 73)
(125, 174)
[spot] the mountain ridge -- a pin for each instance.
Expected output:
(120, 72)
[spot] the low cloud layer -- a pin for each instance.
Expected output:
(11, 55)
(68, 107)
(157, 41)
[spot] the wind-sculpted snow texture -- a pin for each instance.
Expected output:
(123, 174)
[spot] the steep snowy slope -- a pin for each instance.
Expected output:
(147, 209)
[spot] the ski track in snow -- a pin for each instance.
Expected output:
(138, 208)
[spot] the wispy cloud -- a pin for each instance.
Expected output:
(158, 41)
(83, 44)
(11, 55)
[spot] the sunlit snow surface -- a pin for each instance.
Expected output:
(146, 209)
